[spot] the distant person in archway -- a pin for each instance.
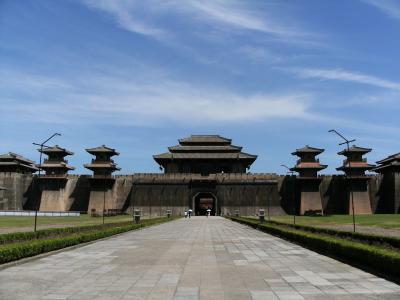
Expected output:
(190, 213)
(208, 212)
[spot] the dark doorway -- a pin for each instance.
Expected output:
(204, 201)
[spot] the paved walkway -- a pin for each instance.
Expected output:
(198, 258)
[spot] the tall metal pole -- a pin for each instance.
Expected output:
(293, 194)
(104, 195)
(132, 201)
(37, 203)
(348, 174)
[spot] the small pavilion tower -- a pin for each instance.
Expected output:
(55, 165)
(355, 166)
(308, 166)
(52, 184)
(101, 200)
(308, 181)
(389, 168)
(102, 165)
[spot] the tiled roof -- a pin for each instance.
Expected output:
(308, 149)
(101, 149)
(389, 159)
(356, 165)
(205, 148)
(309, 165)
(239, 155)
(61, 165)
(56, 149)
(13, 156)
(15, 163)
(101, 166)
(354, 148)
(212, 139)
(393, 164)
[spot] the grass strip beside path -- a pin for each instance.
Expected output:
(371, 239)
(27, 248)
(381, 260)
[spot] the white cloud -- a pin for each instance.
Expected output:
(150, 101)
(389, 7)
(148, 17)
(127, 15)
(344, 75)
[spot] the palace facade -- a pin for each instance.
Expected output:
(201, 172)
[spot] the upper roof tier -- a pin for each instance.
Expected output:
(355, 149)
(102, 149)
(239, 155)
(204, 147)
(11, 156)
(11, 159)
(392, 162)
(308, 149)
(205, 140)
(56, 149)
(389, 159)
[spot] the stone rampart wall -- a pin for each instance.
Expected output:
(155, 193)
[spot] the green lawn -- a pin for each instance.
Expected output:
(13, 222)
(383, 221)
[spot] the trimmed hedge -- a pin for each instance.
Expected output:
(29, 248)
(371, 239)
(382, 260)
(15, 237)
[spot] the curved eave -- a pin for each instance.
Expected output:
(297, 168)
(66, 167)
(355, 150)
(94, 152)
(30, 167)
(393, 165)
(390, 159)
(94, 167)
(343, 168)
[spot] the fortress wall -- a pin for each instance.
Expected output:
(17, 190)
(56, 194)
(109, 195)
(397, 193)
(154, 200)
(155, 193)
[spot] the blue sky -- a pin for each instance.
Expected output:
(137, 75)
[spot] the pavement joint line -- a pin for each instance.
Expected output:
(46, 254)
(193, 251)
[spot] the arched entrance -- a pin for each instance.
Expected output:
(203, 201)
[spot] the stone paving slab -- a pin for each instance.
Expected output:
(197, 258)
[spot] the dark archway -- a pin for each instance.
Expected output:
(203, 201)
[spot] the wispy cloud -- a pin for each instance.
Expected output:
(147, 17)
(389, 7)
(132, 101)
(344, 75)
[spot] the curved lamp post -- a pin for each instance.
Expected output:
(348, 175)
(42, 145)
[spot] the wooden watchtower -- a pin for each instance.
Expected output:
(355, 166)
(308, 181)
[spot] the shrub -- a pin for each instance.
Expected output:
(362, 237)
(382, 260)
(73, 236)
